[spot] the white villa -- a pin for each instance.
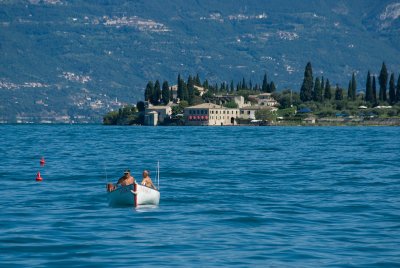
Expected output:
(264, 99)
(209, 114)
(154, 115)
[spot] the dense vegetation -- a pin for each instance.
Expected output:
(316, 96)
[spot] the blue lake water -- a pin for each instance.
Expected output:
(230, 196)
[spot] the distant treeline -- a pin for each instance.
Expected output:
(189, 90)
(317, 95)
(319, 90)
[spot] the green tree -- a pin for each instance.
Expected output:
(231, 104)
(272, 87)
(232, 87)
(265, 115)
(178, 109)
(165, 93)
(140, 106)
(191, 91)
(353, 88)
(322, 86)
(287, 98)
(318, 91)
(338, 93)
(180, 90)
(244, 86)
(392, 90)
(350, 91)
(149, 91)
(368, 89)
(306, 91)
(197, 81)
(327, 93)
(383, 77)
(185, 91)
(157, 93)
(205, 84)
(375, 100)
(110, 118)
(264, 86)
(398, 90)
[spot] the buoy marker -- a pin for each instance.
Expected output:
(38, 177)
(42, 161)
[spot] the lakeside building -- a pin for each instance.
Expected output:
(264, 99)
(154, 115)
(210, 114)
(250, 112)
(223, 99)
(174, 91)
(201, 90)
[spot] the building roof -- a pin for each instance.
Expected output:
(206, 106)
(158, 107)
(258, 108)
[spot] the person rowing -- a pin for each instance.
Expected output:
(127, 179)
(147, 180)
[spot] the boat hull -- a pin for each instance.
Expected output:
(133, 195)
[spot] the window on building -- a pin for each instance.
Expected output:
(242, 112)
(248, 112)
(201, 111)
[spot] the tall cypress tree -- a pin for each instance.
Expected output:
(338, 93)
(180, 92)
(191, 91)
(185, 91)
(392, 90)
(306, 91)
(149, 91)
(244, 86)
(327, 93)
(398, 90)
(157, 93)
(383, 77)
(350, 91)
(197, 81)
(272, 87)
(318, 91)
(165, 93)
(374, 99)
(264, 83)
(232, 86)
(353, 87)
(322, 86)
(205, 84)
(368, 89)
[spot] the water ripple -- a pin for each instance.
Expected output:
(245, 196)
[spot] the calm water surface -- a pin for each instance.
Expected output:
(230, 196)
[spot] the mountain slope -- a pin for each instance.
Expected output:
(72, 51)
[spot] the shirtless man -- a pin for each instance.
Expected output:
(127, 179)
(147, 181)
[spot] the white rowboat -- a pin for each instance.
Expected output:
(133, 195)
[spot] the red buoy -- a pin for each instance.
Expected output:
(38, 177)
(42, 161)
